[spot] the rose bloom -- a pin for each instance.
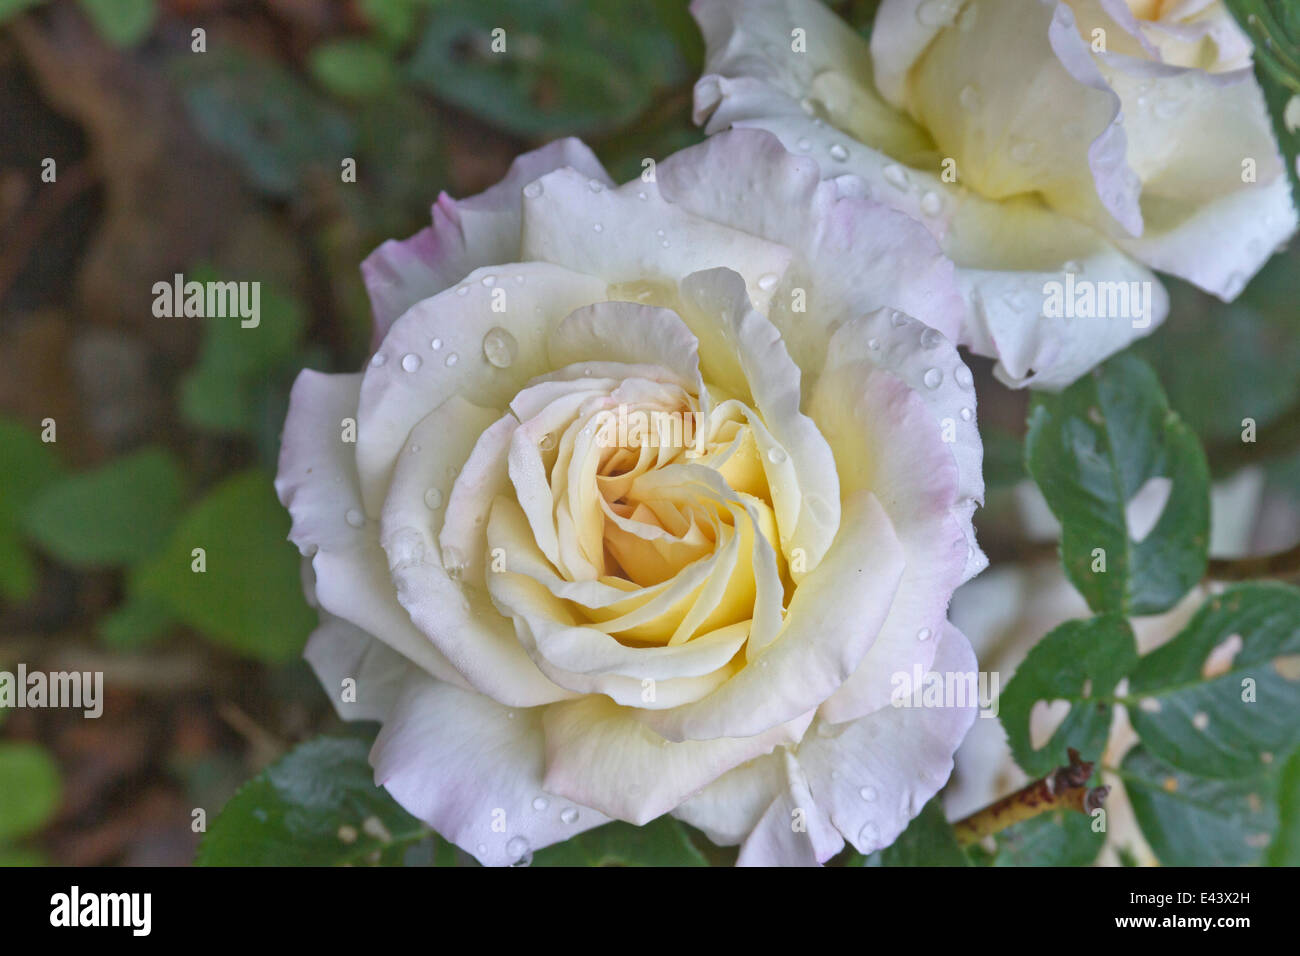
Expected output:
(560, 620)
(1091, 139)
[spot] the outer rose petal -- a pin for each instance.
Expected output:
(466, 234)
(875, 774)
(775, 841)
(599, 754)
(317, 483)
(852, 255)
(455, 759)
(338, 651)
(728, 809)
(396, 393)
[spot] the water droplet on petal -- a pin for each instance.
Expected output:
(896, 176)
(411, 362)
(932, 378)
(500, 347)
(963, 376)
(873, 344)
(378, 359)
(923, 634)
(355, 518)
(597, 227)
(970, 99)
(936, 13)
(435, 344)
(967, 414)
(931, 204)
(462, 290)
(595, 185)
(868, 837)
(767, 281)
(897, 319)
(776, 455)
(540, 804)
(453, 561)
(931, 338)
(433, 498)
(569, 815)
(452, 359)
(839, 153)
(518, 850)
(868, 793)
(533, 190)
(804, 144)
(489, 280)
(1072, 266)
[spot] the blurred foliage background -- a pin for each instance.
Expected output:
(227, 163)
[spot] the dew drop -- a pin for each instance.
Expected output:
(970, 99)
(931, 338)
(1072, 266)
(533, 190)
(518, 850)
(868, 793)
(936, 13)
(355, 518)
(547, 442)
(932, 378)
(433, 499)
(462, 290)
(767, 281)
(500, 347)
(378, 359)
(452, 359)
(896, 176)
(411, 362)
(839, 153)
(569, 815)
(489, 280)
(897, 319)
(597, 227)
(595, 185)
(967, 414)
(776, 455)
(804, 144)
(873, 344)
(435, 344)
(963, 376)
(931, 204)
(923, 634)
(868, 836)
(1023, 151)
(540, 804)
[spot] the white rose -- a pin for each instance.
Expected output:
(1091, 139)
(559, 624)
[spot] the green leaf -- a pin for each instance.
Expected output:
(229, 385)
(1079, 662)
(557, 72)
(1274, 28)
(661, 842)
(927, 841)
(249, 598)
(31, 791)
(263, 117)
(11, 8)
(317, 806)
(1189, 821)
(354, 68)
(394, 20)
(123, 23)
(1247, 640)
(1059, 838)
(1285, 850)
(13, 856)
(115, 514)
(1091, 449)
(135, 623)
(29, 466)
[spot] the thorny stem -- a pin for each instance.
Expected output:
(1065, 788)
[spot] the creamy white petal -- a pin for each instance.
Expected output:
(472, 769)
